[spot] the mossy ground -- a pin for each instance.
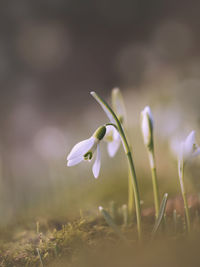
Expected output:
(24, 248)
(91, 242)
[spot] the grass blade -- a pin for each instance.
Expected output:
(38, 252)
(160, 214)
(111, 223)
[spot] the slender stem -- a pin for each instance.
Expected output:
(136, 194)
(127, 150)
(130, 197)
(154, 181)
(119, 108)
(182, 184)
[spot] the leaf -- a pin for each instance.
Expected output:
(160, 214)
(111, 223)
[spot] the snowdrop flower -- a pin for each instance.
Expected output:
(147, 126)
(189, 148)
(113, 139)
(84, 150)
(112, 136)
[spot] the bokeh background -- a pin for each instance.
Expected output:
(52, 54)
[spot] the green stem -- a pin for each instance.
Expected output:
(130, 197)
(182, 184)
(136, 195)
(127, 150)
(154, 182)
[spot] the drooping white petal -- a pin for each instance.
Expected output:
(113, 147)
(97, 163)
(109, 133)
(75, 161)
(113, 139)
(81, 148)
(116, 135)
(189, 144)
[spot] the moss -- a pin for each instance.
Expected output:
(90, 242)
(22, 249)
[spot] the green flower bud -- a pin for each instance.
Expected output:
(100, 133)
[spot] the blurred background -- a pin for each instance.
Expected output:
(52, 54)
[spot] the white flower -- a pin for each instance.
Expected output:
(84, 150)
(189, 148)
(147, 126)
(113, 139)
(112, 135)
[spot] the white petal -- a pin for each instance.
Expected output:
(145, 128)
(81, 148)
(147, 110)
(188, 144)
(97, 163)
(113, 147)
(116, 135)
(75, 161)
(109, 129)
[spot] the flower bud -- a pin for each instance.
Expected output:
(147, 127)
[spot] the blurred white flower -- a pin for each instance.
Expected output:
(112, 136)
(84, 150)
(118, 105)
(189, 148)
(147, 126)
(113, 139)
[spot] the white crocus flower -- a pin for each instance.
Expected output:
(147, 126)
(189, 148)
(113, 139)
(84, 150)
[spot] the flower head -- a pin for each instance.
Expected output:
(85, 150)
(147, 126)
(189, 148)
(112, 136)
